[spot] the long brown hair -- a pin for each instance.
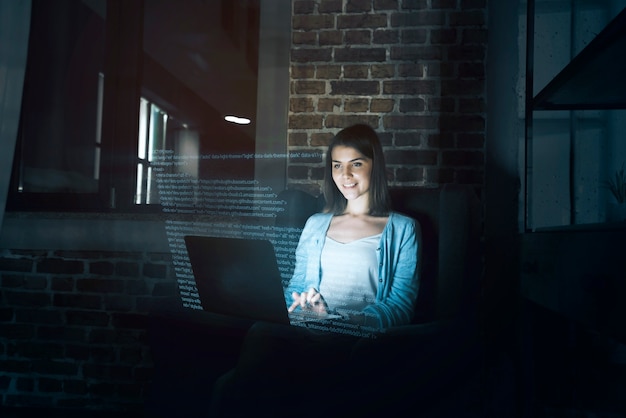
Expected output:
(364, 139)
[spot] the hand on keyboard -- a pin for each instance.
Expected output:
(311, 300)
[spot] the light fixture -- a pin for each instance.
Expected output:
(236, 119)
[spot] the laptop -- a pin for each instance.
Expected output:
(240, 277)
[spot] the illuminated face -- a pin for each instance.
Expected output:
(351, 173)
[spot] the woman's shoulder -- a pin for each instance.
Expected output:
(401, 219)
(318, 219)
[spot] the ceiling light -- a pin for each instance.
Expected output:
(237, 120)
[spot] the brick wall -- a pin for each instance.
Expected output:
(73, 327)
(412, 69)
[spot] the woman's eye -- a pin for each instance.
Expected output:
(336, 166)
(357, 164)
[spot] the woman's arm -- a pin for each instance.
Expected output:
(302, 279)
(397, 302)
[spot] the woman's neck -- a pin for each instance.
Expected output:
(359, 207)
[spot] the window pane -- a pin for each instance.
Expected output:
(61, 107)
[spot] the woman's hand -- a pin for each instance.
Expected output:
(311, 300)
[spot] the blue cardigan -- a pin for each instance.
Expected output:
(397, 260)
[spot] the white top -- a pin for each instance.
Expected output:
(349, 277)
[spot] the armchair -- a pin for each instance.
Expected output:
(416, 367)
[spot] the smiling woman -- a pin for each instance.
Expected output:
(357, 258)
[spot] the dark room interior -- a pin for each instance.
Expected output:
(127, 126)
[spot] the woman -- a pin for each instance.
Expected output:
(357, 258)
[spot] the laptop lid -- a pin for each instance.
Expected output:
(238, 277)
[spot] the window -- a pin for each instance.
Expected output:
(110, 83)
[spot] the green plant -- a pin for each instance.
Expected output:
(617, 185)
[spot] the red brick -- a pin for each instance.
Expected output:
(27, 298)
(410, 122)
(328, 71)
(302, 71)
(470, 140)
(357, 37)
(60, 266)
(382, 105)
(52, 367)
(462, 87)
(440, 140)
(102, 267)
(462, 158)
(411, 70)
(439, 175)
(76, 300)
(467, 53)
(418, 19)
(382, 70)
(444, 4)
(416, 53)
(411, 157)
(385, 36)
(410, 87)
(305, 121)
(360, 54)
(441, 104)
(474, 36)
(312, 22)
(473, 4)
(441, 69)
(299, 105)
(362, 21)
(303, 6)
(356, 71)
(330, 6)
(409, 174)
(471, 105)
(87, 318)
(358, 6)
(304, 38)
(386, 4)
(17, 331)
(330, 37)
(297, 139)
(414, 36)
(414, 4)
(356, 105)
(311, 55)
(472, 70)
(412, 105)
(100, 285)
(408, 139)
(39, 316)
(16, 264)
(461, 123)
(467, 18)
(298, 172)
(309, 87)
(365, 88)
(328, 105)
(345, 120)
(443, 36)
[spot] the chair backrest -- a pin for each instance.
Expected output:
(450, 253)
(451, 263)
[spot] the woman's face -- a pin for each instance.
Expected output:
(351, 172)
